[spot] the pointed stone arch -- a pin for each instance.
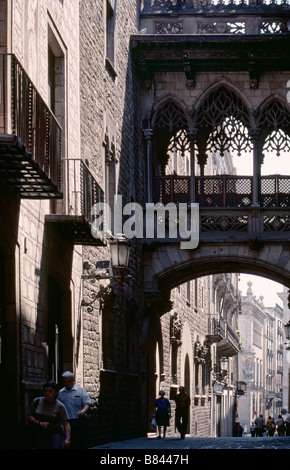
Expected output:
(166, 101)
(223, 122)
(273, 120)
(170, 123)
(231, 87)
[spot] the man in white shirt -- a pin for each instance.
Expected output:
(77, 403)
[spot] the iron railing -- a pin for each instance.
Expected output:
(25, 115)
(188, 5)
(216, 327)
(220, 330)
(82, 191)
(222, 191)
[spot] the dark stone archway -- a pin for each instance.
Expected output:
(167, 266)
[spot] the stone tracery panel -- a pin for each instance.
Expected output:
(222, 123)
(274, 122)
(224, 120)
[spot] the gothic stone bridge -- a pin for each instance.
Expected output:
(214, 80)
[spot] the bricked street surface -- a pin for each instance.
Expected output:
(201, 443)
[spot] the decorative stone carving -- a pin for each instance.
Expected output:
(169, 28)
(175, 329)
(248, 370)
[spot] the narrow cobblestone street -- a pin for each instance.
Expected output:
(187, 452)
(201, 443)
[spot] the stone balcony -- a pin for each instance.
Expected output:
(215, 16)
(212, 35)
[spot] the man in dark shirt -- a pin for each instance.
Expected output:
(182, 401)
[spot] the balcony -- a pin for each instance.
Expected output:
(30, 136)
(223, 335)
(192, 36)
(176, 17)
(223, 191)
(216, 330)
(81, 192)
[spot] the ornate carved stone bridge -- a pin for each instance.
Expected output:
(215, 76)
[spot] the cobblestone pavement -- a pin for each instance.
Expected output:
(202, 443)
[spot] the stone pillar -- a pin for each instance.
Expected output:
(255, 138)
(148, 133)
(192, 138)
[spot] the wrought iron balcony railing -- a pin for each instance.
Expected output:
(81, 193)
(221, 333)
(223, 191)
(216, 329)
(30, 135)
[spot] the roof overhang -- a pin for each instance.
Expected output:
(211, 53)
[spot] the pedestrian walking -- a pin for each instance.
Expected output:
(253, 429)
(270, 426)
(238, 430)
(280, 426)
(77, 402)
(182, 401)
(287, 424)
(260, 423)
(162, 413)
(47, 416)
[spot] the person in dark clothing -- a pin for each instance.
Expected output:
(162, 413)
(287, 424)
(48, 416)
(260, 423)
(182, 401)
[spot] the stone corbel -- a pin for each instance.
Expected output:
(188, 70)
(157, 300)
(145, 73)
(253, 72)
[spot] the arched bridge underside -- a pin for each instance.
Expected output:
(167, 265)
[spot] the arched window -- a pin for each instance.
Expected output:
(223, 124)
(170, 132)
(274, 122)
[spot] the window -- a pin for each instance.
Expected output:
(56, 92)
(51, 80)
(188, 292)
(110, 37)
(110, 178)
(56, 77)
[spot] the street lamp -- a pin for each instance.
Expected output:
(120, 252)
(224, 362)
(116, 269)
(241, 388)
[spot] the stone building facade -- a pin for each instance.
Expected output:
(286, 356)
(261, 359)
(40, 270)
(84, 119)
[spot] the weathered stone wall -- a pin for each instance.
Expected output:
(41, 253)
(109, 110)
